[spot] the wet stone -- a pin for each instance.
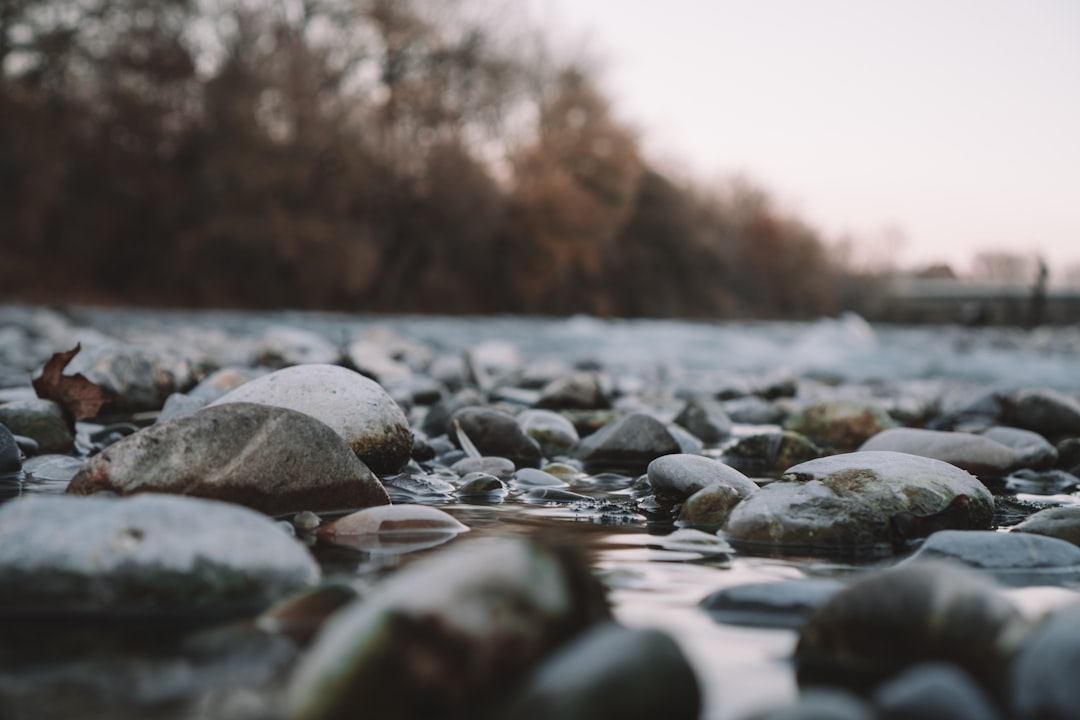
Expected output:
(553, 432)
(611, 671)
(291, 461)
(1041, 482)
(754, 410)
(852, 502)
(889, 621)
(357, 408)
(1014, 559)
(479, 485)
(978, 454)
(784, 603)
(579, 391)
(626, 445)
(706, 419)
(709, 507)
(531, 477)
(496, 433)
(680, 475)
(770, 453)
(1042, 679)
(151, 554)
(446, 632)
(41, 420)
(1032, 449)
(840, 424)
(500, 467)
(1057, 522)
(1048, 412)
(933, 690)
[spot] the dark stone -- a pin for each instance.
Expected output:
(10, 457)
(933, 690)
(611, 672)
(626, 445)
(496, 433)
(1015, 559)
(1047, 412)
(1042, 679)
(706, 419)
(41, 420)
(784, 603)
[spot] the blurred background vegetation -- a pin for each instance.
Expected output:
(363, 155)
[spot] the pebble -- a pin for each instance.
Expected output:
(41, 420)
(709, 507)
(555, 434)
(392, 528)
(151, 554)
(356, 407)
(290, 461)
(579, 390)
(706, 419)
(496, 433)
(626, 445)
(679, 476)
(446, 632)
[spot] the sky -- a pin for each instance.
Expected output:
(925, 130)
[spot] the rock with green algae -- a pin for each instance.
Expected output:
(840, 424)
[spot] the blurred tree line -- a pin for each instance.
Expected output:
(367, 155)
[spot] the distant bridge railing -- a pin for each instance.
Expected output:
(918, 300)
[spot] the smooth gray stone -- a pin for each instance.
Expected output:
(147, 555)
(1015, 559)
(933, 690)
(269, 458)
(1042, 679)
(626, 445)
(41, 420)
(680, 475)
(356, 407)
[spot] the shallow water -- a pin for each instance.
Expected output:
(741, 668)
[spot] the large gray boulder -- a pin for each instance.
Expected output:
(356, 407)
(856, 501)
(268, 458)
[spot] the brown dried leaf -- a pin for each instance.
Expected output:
(79, 397)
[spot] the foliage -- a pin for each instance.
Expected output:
(375, 155)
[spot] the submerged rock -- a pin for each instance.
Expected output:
(151, 555)
(269, 458)
(447, 632)
(392, 528)
(356, 407)
(854, 502)
(892, 620)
